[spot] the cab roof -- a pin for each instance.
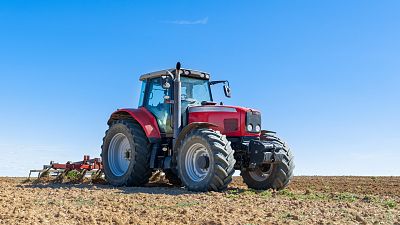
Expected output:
(184, 72)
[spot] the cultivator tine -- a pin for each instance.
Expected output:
(35, 171)
(60, 177)
(44, 173)
(30, 173)
(97, 175)
(82, 175)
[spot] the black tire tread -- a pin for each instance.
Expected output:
(281, 175)
(141, 172)
(223, 158)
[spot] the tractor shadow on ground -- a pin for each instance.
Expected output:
(156, 188)
(150, 188)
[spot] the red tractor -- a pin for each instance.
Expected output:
(196, 142)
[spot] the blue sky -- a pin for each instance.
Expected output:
(325, 74)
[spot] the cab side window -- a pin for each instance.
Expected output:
(155, 104)
(142, 93)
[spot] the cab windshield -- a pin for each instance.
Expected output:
(195, 91)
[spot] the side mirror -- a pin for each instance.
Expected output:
(227, 91)
(227, 88)
(166, 84)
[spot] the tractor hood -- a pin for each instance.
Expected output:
(233, 121)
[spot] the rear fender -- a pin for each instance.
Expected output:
(146, 120)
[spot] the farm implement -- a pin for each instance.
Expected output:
(86, 167)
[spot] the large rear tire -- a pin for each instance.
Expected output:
(271, 176)
(205, 161)
(125, 154)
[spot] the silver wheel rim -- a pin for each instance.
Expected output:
(119, 154)
(260, 175)
(194, 164)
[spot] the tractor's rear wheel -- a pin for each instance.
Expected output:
(205, 161)
(271, 176)
(125, 154)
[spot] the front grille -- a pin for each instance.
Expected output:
(231, 125)
(253, 118)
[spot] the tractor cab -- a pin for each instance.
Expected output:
(157, 95)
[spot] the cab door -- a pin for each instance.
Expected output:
(155, 103)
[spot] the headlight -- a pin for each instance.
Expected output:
(250, 127)
(258, 128)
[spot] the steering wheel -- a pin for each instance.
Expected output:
(190, 100)
(183, 96)
(186, 99)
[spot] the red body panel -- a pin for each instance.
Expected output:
(197, 114)
(145, 119)
(217, 117)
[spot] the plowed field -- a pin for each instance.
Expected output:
(308, 200)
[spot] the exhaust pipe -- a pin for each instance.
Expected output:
(177, 103)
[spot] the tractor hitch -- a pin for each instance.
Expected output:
(264, 153)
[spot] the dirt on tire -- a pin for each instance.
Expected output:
(335, 200)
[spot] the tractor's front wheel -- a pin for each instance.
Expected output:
(205, 161)
(271, 176)
(125, 154)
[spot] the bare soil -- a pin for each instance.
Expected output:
(315, 200)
